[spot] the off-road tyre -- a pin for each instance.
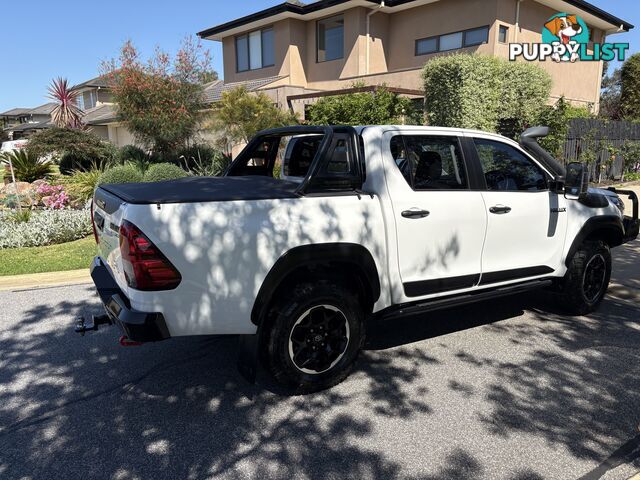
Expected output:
(587, 279)
(291, 321)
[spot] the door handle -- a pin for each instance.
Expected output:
(500, 209)
(415, 213)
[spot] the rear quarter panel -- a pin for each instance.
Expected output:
(224, 251)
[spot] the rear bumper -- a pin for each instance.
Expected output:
(137, 326)
(631, 223)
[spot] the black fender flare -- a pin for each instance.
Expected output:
(315, 254)
(609, 225)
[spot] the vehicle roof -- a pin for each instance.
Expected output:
(424, 128)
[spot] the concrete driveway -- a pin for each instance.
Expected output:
(500, 390)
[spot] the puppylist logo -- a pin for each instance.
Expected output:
(565, 38)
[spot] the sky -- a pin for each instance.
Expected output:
(44, 39)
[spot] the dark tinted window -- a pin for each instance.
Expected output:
(476, 37)
(242, 52)
(429, 162)
(506, 168)
(330, 39)
(427, 45)
(268, 48)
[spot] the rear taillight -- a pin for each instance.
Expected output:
(93, 225)
(145, 267)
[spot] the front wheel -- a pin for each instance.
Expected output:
(587, 279)
(315, 336)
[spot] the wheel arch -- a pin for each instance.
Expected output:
(607, 228)
(351, 259)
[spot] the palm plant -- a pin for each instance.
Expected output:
(66, 114)
(27, 167)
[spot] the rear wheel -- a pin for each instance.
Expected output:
(587, 279)
(315, 336)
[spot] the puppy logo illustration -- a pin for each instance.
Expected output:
(568, 30)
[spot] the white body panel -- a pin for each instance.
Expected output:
(224, 250)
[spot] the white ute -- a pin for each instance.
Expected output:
(314, 230)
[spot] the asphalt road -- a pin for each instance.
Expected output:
(501, 390)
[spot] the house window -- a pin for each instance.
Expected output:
(427, 45)
(452, 41)
(330, 39)
(503, 34)
(477, 36)
(255, 50)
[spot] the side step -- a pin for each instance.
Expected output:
(462, 299)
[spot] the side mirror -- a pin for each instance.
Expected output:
(576, 181)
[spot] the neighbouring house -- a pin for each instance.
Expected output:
(96, 101)
(21, 122)
(299, 52)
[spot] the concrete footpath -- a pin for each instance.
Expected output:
(43, 280)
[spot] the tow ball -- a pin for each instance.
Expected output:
(84, 325)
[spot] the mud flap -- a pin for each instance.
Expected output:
(248, 357)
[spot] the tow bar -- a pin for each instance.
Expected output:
(84, 325)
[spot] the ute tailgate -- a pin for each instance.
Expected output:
(108, 212)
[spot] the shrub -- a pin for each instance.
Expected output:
(164, 171)
(477, 91)
(53, 196)
(45, 227)
(380, 107)
(557, 118)
(120, 174)
(80, 185)
(203, 160)
(27, 167)
(83, 147)
(131, 153)
(214, 167)
(21, 216)
(240, 114)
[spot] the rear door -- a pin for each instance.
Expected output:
(440, 219)
(526, 221)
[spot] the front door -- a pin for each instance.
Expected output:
(440, 221)
(526, 221)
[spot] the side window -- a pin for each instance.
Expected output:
(507, 169)
(429, 162)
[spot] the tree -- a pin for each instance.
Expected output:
(610, 106)
(162, 100)
(241, 114)
(630, 90)
(83, 149)
(66, 113)
(558, 118)
(483, 92)
(379, 107)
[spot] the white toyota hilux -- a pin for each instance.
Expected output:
(315, 230)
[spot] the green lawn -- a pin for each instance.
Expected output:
(53, 258)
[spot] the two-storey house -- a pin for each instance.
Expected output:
(303, 51)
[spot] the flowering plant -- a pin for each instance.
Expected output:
(53, 196)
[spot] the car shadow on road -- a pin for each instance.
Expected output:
(85, 408)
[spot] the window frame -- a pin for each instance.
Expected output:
(341, 16)
(464, 40)
(472, 143)
(458, 140)
(246, 36)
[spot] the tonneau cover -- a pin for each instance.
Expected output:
(204, 189)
